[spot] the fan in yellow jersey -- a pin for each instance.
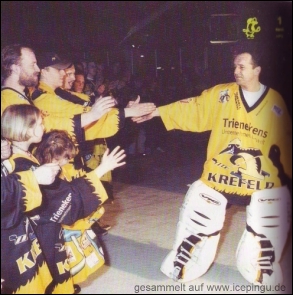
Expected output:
(248, 162)
(45, 98)
(51, 104)
(24, 269)
(62, 202)
(48, 101)
(92, 151)
(85, 257)
(20, 70)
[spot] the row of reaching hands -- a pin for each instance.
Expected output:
(139, 112)
(46, 173)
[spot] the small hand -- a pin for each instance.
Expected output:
(46, 173)
(111, 161)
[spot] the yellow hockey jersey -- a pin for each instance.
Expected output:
(94, 150)
(24, 269)
(52, 104)
(70, 204)
(71, 124)
(249, 147)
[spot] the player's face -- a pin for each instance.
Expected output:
(244, 71)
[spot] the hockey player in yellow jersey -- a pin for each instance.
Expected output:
(249, 162)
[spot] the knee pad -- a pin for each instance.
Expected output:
(260, 248)
(201, 218)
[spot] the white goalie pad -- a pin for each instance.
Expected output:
(201, 218)
(260, 248)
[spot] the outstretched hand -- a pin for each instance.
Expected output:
(111, 161)
(144, 118)
(102, 106)
(137, 109)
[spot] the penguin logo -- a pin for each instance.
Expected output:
(247, 160)
(224, 96)
(251, 28)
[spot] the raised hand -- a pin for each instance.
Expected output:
(102, 106)
(110, 161)
(46, 173)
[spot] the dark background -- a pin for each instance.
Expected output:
(175, 35)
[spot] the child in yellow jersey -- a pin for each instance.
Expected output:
(84, 254)
(62, 202)
(20, 247)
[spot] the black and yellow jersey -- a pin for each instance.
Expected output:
(53, 105)
(72, 124)
(24, 269)
(249, 147)
(62, 224)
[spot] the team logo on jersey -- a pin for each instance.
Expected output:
(44, 113)
(60, 247)
(277, 110)
(29, 235)
(245, 161)
(224, 96)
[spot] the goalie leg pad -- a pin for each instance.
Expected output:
(260, 248)
(201, 218)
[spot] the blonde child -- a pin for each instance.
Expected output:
(62, 201)
(23, 265)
